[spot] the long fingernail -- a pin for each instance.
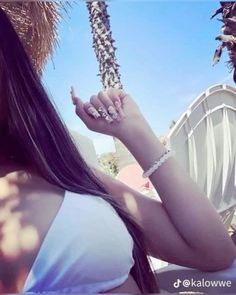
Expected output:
(72, 91)
(108, 119)
(92, 111)
(117, 104)
(113, 113)
(119, 108)
(102, 111)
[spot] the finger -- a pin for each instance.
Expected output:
(82, 113)
(90, 109)
(108, 103)
(72, 91)
(73, 96)
(122, 94)
(100, 108)
(119, 94)
(114, 95)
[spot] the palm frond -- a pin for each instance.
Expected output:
(228, 36)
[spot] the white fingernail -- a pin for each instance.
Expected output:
(72, 91)
(117, 104)
(94, 112)
(102, 111)
(108, 119)
(119, 108)
(112, 112)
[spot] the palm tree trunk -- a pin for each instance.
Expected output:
(103, 44)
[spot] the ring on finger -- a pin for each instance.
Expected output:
(112, 111)
(104, 114)
(106, 102)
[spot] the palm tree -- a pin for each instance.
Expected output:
(103, 44)
(228, 36)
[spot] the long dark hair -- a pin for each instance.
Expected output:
(39, 138)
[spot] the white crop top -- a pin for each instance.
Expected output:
(87, 249)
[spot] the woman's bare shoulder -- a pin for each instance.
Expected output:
(28, 205)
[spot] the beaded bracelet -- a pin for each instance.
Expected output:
(158, 163)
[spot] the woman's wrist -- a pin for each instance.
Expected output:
(130, 132)
(141, 141)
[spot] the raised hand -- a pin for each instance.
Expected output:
(111, 112)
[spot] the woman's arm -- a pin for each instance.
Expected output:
(163, 240)
(187, 207)
(185, 223)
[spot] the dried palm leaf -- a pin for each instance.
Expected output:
(36, 24)
(217, 54)
(228, 38)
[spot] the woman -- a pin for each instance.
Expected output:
(66, 227)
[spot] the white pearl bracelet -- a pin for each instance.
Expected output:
(158, 163)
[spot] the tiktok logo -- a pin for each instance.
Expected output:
(177, 283)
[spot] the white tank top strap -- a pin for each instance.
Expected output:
(87, 249)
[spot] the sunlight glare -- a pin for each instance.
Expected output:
(29, 238)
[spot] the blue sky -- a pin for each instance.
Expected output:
(164, 49)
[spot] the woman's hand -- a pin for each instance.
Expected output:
(111, 112)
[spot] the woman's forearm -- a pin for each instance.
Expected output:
(189, 209)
